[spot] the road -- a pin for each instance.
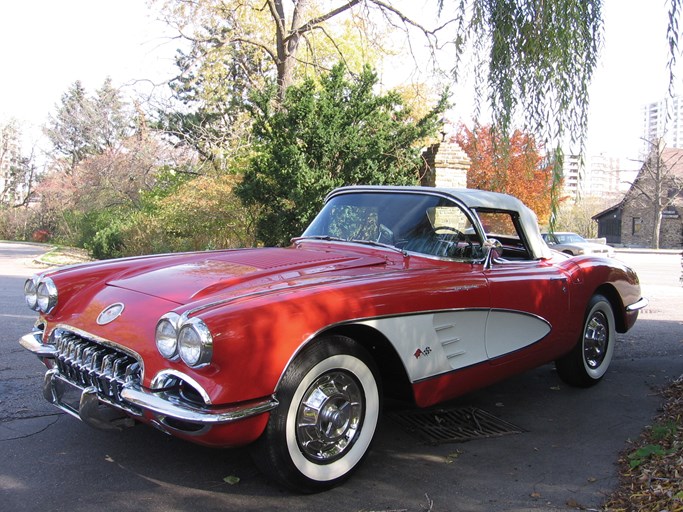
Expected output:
(565, 458)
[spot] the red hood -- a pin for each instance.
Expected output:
(192, 277)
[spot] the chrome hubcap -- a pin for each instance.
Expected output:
(330, 416)
(595, 340)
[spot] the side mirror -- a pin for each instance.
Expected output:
(494, 247)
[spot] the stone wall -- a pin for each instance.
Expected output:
(637, 224)
(638, 216)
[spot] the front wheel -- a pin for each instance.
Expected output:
(588, 361)
(329, 409)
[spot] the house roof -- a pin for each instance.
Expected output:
(608, 210)
(672, 158)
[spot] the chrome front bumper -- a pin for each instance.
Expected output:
(93, 408)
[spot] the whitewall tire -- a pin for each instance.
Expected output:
(589, 360)
(329, 409)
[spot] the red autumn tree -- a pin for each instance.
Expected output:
(516, 168)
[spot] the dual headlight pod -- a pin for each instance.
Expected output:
(40, 294)
(186, 338)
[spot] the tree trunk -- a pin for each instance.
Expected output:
(657, 228)
(287, 41)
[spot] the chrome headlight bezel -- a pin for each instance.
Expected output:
(166, 336)
(31, 293)
(40, 294)
(195, 343)
(47, 295)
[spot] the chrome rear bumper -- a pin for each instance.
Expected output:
(637, 306)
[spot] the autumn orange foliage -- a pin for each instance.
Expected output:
(516, 167)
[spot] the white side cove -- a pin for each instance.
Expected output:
(433, 343)
(508, 331)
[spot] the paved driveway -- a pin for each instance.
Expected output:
(563, 460)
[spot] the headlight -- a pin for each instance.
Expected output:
(31, 293)
(40, 294)
(166, 335)
(47, 295)
(195, 344)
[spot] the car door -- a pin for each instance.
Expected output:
(529, 297)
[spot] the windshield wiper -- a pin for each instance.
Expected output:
(329, 238)
(380, 244)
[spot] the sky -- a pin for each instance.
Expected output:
(631, 74)
(46, 45)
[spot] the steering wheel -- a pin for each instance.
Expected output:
(452, 247)
(458, 234)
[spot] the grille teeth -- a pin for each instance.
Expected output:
(87, 363)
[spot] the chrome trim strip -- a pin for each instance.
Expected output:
(158, 382)
(151, 402)
(636, 306)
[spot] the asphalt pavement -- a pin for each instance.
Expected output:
(564, 460)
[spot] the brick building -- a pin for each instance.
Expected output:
(630, 223)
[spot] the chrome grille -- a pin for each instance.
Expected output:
(86, 363)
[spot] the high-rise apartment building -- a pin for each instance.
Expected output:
(663, 120)
(9, 154)
(595, 176)
(574, 177)
(605, 176)
(14, 186)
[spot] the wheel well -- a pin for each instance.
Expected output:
(395, 382)
(611, 294)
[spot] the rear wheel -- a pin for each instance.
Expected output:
(589, 360)
(328, 413)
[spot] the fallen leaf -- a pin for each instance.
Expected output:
(232, 480)
(450, 458)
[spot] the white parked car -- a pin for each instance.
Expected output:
(576, 245)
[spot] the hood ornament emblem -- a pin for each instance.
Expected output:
(110, 313)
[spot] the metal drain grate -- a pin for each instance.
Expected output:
(436, 426)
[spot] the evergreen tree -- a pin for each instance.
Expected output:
(324, 136)
(84, 126)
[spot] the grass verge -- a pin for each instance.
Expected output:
(59, 256)
(652, 469)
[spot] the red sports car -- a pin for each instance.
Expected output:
(419, 293)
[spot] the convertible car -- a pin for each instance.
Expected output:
(416, 293)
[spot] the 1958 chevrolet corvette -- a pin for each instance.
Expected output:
(421, 293)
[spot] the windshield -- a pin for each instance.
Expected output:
(423, 224)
